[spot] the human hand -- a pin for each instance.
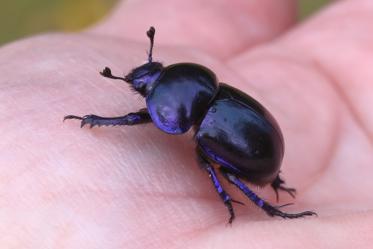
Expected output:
(135, 187)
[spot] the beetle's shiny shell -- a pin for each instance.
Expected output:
(180, 96)
(242, 136)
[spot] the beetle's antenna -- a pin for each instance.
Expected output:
(107, 73)
(150, 33)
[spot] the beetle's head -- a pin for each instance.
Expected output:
(142, 78)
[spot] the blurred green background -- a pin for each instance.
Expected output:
(19, 18)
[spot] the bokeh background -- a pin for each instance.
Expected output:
(19, 18)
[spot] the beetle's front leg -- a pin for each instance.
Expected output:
(139, 117)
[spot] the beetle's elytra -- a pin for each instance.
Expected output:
(232, 130)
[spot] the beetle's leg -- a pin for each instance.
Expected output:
(139, 117)
(278, 184)
(223, 195)
(268, 208)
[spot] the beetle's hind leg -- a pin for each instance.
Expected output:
(204, 164)
(278, 184)
(268, 208)
(139, 117)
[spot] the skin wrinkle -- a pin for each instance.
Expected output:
(168, 237)
(34, 163)
(142, 195)
(344, 99)
(111, 194)
(200, 232)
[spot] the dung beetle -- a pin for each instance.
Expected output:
(233, 131)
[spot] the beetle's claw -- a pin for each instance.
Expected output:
(291, 191)
(274, 211)
(278, 184)
(83, 123)
(87, 119)
(91, 120)
(298, 215)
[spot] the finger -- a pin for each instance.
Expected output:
(311, 81)
(221, 28)
(335, 42)
(341, 42)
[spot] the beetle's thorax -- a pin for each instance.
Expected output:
(143, 77)
(180, 96)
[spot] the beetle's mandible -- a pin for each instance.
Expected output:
(233, 132)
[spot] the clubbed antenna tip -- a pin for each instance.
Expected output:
(150, 33)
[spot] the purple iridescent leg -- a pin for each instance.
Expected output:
(139, 117)
(223, 195)
(278, 184)
(268, 208)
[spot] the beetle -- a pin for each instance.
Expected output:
(233, 131)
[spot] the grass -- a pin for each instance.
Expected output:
(19, 18)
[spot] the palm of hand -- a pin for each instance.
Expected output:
(133, 187)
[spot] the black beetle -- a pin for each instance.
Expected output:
(232, 130)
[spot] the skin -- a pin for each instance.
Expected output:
(136, 187)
